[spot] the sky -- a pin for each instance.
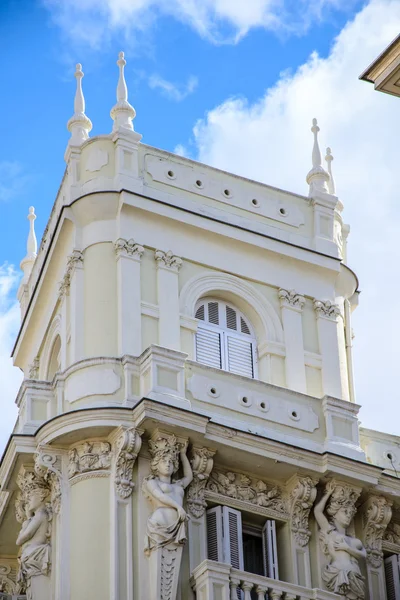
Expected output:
(235, 85)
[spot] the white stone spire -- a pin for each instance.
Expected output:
(31, 247)
(79, 124)
(317, 178)
(122, 113)
(331, 182)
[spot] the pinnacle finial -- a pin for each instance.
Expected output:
(331, 182)
(79, 124)
(122, 113)
(31, 246)
(317, 178)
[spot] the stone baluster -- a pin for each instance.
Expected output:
(275, 594)
(261, 591)
(247, 586)
(234, 584)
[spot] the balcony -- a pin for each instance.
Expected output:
(219, 581)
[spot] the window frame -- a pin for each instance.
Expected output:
(226, 332)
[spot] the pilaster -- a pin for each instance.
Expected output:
(327, 315)
(292, 305)
(168, 267)
(128, 255)
(72, 291)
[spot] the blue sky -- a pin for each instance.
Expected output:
(232, 83)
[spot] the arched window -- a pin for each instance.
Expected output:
(224, 338)
(54, 362)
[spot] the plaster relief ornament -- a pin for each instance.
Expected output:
(128, 445)
(392, 533)
(89, 456)
(166, 526)
(7, 585)
(376, 516)
(342, 574)
(302, 498)
(202, 464)
(242, 487)
(35, 514)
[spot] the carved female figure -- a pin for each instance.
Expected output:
(167, 524)
(34, 536)
(342, 575)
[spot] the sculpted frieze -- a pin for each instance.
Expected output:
(241, 487)
(392, 533)
(342, 574)
(89, 456)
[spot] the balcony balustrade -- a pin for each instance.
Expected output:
(218, 581)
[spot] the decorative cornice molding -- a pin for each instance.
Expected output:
(291, 299)
(74, 261)
(302, 498)
(326, 309)
(128, 447)
(377, 512)
(168, 260)
(89, 456)
(128, 248)
(202, 463)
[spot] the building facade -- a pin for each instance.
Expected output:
(187, 422)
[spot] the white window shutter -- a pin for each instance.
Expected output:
(270, 550)
(240, 356)
(233, 540)
(215, 550)
(392, 574)
(208, 347)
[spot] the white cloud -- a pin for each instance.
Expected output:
(171, 90)
(219, 21)
(270, 140)
(10, 376)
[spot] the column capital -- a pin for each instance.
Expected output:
(291, 299)
(167, 260)
(74, 261)
(128, 248)
(326, 309)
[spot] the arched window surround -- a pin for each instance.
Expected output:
(46, 354)
(225, 337)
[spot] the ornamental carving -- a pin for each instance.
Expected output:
(202, 464)
(166, 526)
(326, 308)
(48, 468)
(392, 533)
(291, 298)
(129, 247)
(74, 260)
(242, 487)
(7, 580)
(167, 259)
(302, 498)
(128, 447)
(34, 369)
(342, 574)
(89, 456)
(34, 512)
(377, 512)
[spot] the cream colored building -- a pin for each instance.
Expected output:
(187, 422)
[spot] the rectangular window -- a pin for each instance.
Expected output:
(392, 575)
(249, 548)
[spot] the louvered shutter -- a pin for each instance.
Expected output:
(270, 550)
(240, 356)
(215, 549)
(392, 574)
(233, 541)
(208, 347)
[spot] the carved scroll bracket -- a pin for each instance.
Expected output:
(202, 463)
(376, 513)
(128, 444)
(302, 497)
